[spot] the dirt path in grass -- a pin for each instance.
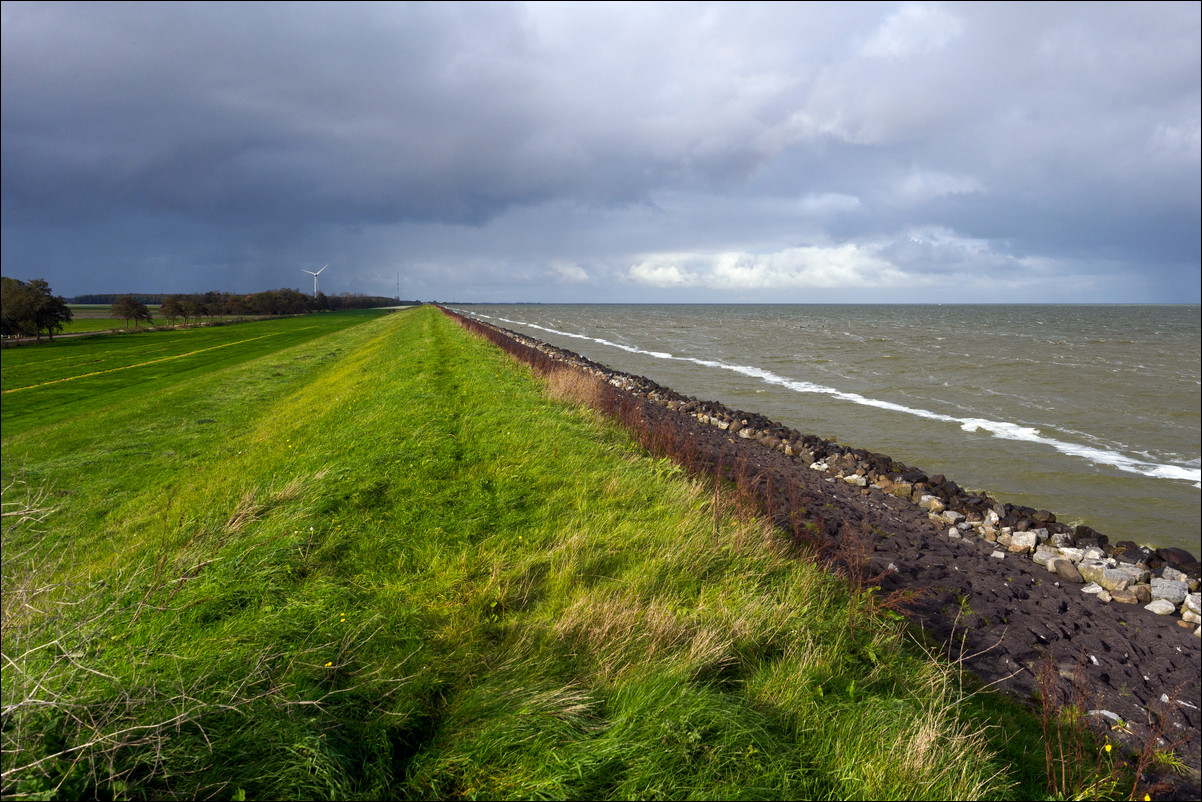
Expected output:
(1009, 621)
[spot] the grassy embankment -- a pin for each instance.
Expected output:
(378, 560)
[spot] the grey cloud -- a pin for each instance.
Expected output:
(490, 143)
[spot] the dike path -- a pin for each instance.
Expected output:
(1015, 623)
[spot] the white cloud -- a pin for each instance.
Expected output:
(828, 203)
(844, 266)
(914, 29)
(569, 272)
(919, 186)
(661, 270)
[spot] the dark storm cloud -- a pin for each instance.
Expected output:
(245, 113)
(606, 152)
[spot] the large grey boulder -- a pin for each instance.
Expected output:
(1169, 590)
(1138, 573)
(1115, 579)
(1092, 570)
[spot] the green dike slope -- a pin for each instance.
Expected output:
(382, 563)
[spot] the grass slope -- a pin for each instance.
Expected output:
(382, 562)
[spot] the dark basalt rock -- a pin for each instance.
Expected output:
(1176, 557)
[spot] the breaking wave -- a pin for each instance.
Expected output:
(1002, 430)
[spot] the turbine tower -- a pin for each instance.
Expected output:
(314, 275)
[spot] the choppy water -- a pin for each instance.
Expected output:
(1092, 412)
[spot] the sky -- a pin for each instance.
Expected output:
(563, 152)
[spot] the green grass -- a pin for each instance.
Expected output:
(97, 318)
(49, 382)
(381, 562)
(89, 318)
(108, 325)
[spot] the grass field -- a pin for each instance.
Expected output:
(89, 318)
(52, 381)
(96, 318)
(379, 560)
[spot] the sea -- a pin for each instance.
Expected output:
(1089, 411)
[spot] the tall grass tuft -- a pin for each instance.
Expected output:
(576, 387)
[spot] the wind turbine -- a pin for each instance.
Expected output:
(314, 275)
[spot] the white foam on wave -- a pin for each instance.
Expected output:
(1002, 430)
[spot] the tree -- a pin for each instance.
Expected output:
(28, 308)
(172, 309)
(16, 308)
(193, 308)
(129, 308)
(51, 311)
(236, 305)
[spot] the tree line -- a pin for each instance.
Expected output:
(28, 308)
(31, 308)
(284, 301)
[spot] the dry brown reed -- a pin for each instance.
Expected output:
(575, 387)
